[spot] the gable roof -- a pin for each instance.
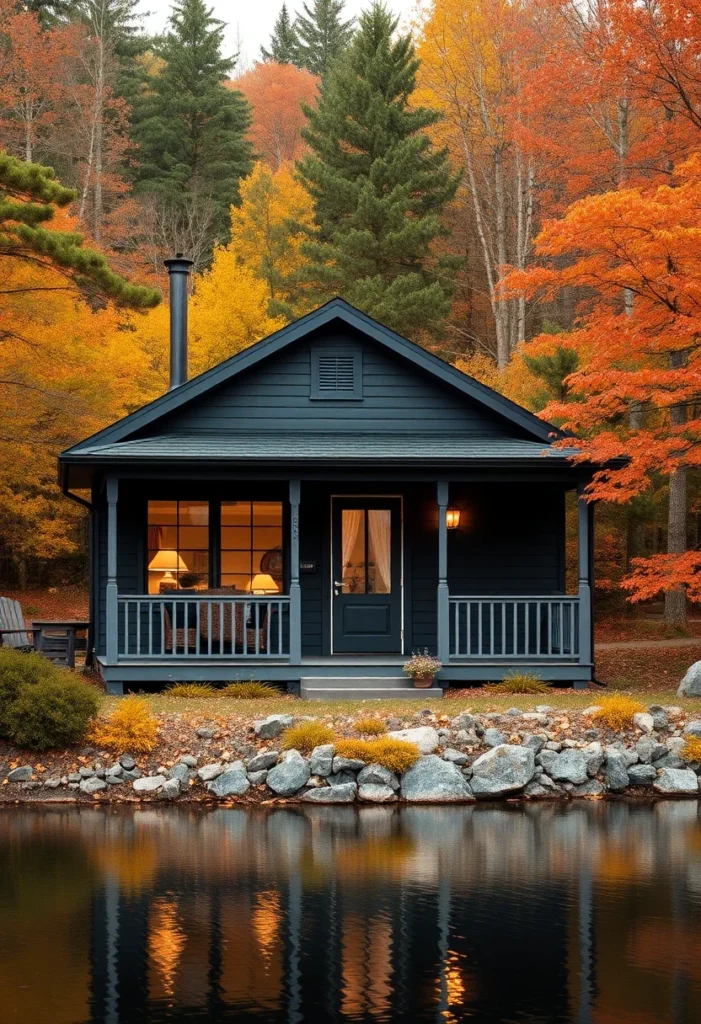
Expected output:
(334, 310)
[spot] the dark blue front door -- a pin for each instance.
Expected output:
(367, 576)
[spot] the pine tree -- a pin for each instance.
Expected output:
(283, 41)
(322, 36)
(29, 197)
(378, 184)
(190, 129)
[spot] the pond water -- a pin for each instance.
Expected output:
(588, 913)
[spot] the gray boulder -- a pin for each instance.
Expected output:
(434, 781)
(92, 785)
(23, 774)
(233, 781)
(114, 780)
(616, 773)
(321, 762)
(209, 772)
(290, 775)
(86, 773)
(676, 780)
(463, 721)
(127, 762)
(170, 789)
(660, 717)
(594, 756)
(569, 766)
(644, 721)
(493, 737)
(455, 756)
(503, 769)
(52, 783)
(331, 794)
(690, 685)
(257, 778)
(272, 726)
(691, 728)
(535, 790)
(114, 770)
(189, 760)
(180, 772)
(340, 778)
(534, 741)
(592, 787)
(205, 732)
(375, 793)
(377, 775)
(424, 736)
(644, 748)
(670, 760)
(149, 783)
(642, 774)
(261, 762)
(347, 764)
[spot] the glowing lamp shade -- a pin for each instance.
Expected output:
(167, 562)
(262, 583)
(452, 517)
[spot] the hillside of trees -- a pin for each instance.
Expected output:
(514, 185)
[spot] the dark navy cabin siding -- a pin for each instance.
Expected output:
(396, 398)
(131, 534)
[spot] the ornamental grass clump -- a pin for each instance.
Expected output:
(396, 755)
(130, 728)
(250, 691)
(370, 726)
(691, 751)
(192, 691)
(518, 682)
(306, 735)
(617, 712)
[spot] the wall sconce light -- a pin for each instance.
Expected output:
(452, 517)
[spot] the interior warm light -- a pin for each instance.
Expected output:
(262, 583)
(452, 517)
(167, 562)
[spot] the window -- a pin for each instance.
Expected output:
(178, 546)
(337, 375)
(251, 546)
(366, 550)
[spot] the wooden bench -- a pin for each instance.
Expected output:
(56, 639)
(13, 631)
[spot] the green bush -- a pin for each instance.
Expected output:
(51, 713)
(42, 705)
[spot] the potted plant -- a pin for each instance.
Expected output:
(422, 668)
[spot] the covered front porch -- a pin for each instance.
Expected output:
(364, 571)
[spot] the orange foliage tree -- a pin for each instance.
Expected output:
(637, 251)
(276, 93)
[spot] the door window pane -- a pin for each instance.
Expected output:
(379, 574)
(178, 546)
(251, 546)
(353, 550)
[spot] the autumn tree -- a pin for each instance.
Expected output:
(322, 35)
(276, 94)
(190, 129)
(378, 184)
(641, 243)
(283, 41)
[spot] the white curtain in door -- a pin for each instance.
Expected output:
(380, 545)
(351, 522)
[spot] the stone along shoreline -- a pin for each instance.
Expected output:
(545, 754)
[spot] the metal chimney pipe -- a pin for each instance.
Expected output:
(179, 272)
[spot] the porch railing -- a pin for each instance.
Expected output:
(514, 627)
(197, 626)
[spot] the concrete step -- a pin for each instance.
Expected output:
(352, 692)
(358, 682)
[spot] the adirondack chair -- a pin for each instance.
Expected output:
(13, 632)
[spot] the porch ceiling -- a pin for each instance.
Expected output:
(338, 448)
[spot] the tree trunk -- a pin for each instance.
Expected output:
(675, 600)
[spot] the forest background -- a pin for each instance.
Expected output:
(514, 185)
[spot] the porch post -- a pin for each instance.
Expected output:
(584, 573)
(443, 623)
(112, 616)
(295, 591)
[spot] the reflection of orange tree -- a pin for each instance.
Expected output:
(386, 856)
(266, 918)
(166, 942)
(133, 864)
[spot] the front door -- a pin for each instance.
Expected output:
(367, 575)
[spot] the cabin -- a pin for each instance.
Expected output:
(316, 508)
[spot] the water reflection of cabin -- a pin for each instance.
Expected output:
(320, 505)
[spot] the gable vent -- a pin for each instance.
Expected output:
(336, 373)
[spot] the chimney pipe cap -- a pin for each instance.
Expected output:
(178, 264)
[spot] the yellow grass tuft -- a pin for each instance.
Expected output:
(251, 690)
(131, 728)
(306, 735)
(691, 751)
(191, 691)
(370, 726)
(617, 712)
(518, 682)
(396, 755)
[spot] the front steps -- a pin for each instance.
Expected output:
(364, 688)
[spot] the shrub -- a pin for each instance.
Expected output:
(370, 726)
(306, 735)
(51, 713)
(191, 691)
(518, 682)
(131, 727)
(17, 670)
(250, 691)
(617, 712)
(691, 751)
(396, 755)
